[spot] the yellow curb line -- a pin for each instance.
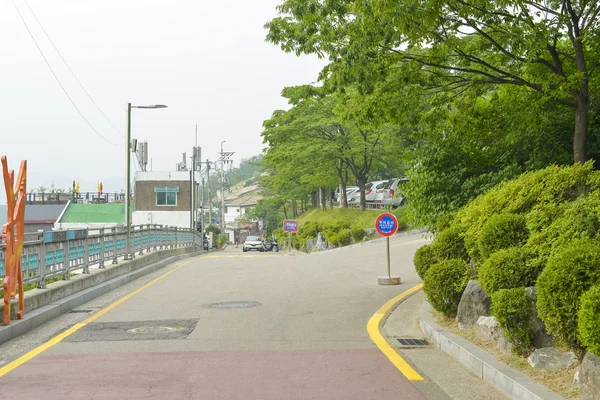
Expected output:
(373, 327)
(57, 339)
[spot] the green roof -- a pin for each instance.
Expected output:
(96, 213)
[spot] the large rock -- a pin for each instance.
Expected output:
(487, 328)
(552, 359)
(474, 303)
(504, 345)
(589, 377)
(577, 378)
(540, 336)
(320, 244)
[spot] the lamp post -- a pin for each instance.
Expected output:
(128, 149)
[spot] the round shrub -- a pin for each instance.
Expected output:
(336, 225)
(513, 308)
(344, 237)
(444, 221)
(331, 237)
(423, 260)
(444, 285)
(502, 231)
(507, 269)
(570, 272)
(358, 233)
(589, 320)
(450, 244)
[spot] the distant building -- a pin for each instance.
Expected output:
(42, 216)
(162, 198)
(92, 216)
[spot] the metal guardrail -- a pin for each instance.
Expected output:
(85, 197)
(46, 258)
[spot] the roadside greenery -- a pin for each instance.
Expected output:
(540, 230)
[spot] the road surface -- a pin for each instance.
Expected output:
(228, 325)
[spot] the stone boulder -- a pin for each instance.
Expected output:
(504, 345)
(320, 244)
(540, 336)
(589, 377)
(576, 378)
(487, 329)
(551, 358)
(310, 245)
(474, 303)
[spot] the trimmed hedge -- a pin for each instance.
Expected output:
(589, 320)
(358, 234)
(513, 308)
(507, 269)
(444, 285)
(423, 260)
(501, 232)
(444, 221)
(570, 272)
(450, 244)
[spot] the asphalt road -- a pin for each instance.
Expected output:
(229, 325)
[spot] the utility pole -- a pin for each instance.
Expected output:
(209, 196)
(222, 219)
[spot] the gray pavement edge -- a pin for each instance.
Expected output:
(45, 313)
(513, 383)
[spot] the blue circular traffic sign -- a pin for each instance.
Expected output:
(386, 224)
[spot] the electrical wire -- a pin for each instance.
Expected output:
(58, 80)
(70, 70)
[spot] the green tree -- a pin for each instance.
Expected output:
(550, 47)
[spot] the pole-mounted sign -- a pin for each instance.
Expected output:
(387, 225)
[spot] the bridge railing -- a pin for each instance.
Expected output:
(61, 253)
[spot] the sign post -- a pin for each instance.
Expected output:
(387, 225)
(291, 226)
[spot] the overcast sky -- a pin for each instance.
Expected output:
(207, 60)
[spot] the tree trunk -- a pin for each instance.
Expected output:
(323, 199)
(361, 181)
(343, 179)
(285, 211)
(580, 148)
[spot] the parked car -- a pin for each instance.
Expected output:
(253, 243)
(389, 194)
(350, 190)
(370, 193)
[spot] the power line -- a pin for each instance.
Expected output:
(70, 70)
(58, 80)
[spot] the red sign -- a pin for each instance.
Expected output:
(290, 225)
(386, 224)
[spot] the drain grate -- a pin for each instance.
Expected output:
(407, 342)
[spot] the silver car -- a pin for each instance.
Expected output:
(253, 243)
(389, 194)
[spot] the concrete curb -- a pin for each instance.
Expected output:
(45, 313)
(511, 382)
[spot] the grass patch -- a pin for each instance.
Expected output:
(31, 286)
(363, 219)
(557, 381)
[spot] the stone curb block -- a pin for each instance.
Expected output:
(60, 306)
(511, 382)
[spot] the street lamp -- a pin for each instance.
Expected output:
(128, 183)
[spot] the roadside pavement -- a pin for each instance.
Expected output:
(444, 377)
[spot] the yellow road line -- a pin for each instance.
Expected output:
(57, 339)
(373, 327)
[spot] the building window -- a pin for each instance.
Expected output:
(166, 196)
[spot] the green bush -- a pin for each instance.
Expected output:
(507, 269)
(358, 233)
(336, 225)
(423, 260)
(450, 244)
(444, 221)
(344, 237)
(444, 285)
(570, 272)
(501, 232)
(513, 308)
(589, 320)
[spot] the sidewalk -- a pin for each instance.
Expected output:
(444, 377)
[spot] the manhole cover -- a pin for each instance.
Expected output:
(235, 304)
(407, 342)
(154, 329)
